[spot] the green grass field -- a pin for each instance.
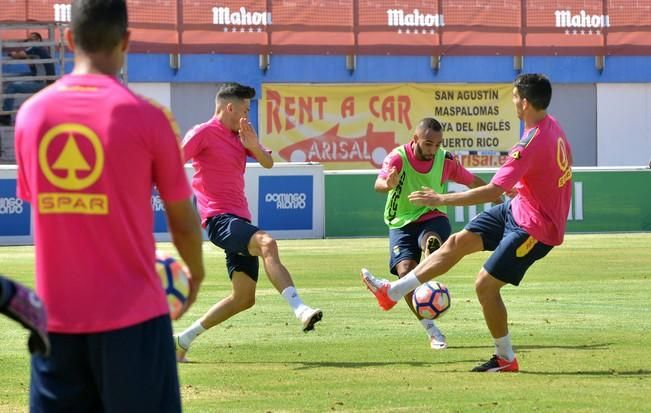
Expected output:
(580, 322)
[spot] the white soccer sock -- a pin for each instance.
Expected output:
(187, 337)
(503, 347)
(429, 326)
(291, 296)
(400, 288)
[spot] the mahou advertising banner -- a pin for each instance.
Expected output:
(356, 126)
(372, 27)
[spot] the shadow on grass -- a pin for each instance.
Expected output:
(527, 347)
(304, 365)
(613, 373)
(307, 365)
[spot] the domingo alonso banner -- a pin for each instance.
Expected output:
(356, 126)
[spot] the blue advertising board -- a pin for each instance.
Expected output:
(160, 220)
(285, 202)
(15, 214)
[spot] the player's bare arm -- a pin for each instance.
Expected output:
(388, 183)
(249, 140)
(478, 182)
(185, 230)
(485, 193)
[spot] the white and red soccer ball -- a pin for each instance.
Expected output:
(175, 282)
(431, 300)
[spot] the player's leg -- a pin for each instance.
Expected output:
(134, 368)
(405, 252)
(434, 233)
(488, 289)
(262, 244)
(515, 253)
(437, 339)
(63, 382)
(243, 271)
(482, 233)
(451, 252)
(403, 268)
(232, 234)
(242, 298)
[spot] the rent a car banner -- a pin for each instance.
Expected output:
(351, 126)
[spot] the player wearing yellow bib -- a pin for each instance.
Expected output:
(417, 230)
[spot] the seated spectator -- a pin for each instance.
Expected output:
(36, 69)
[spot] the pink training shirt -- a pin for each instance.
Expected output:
(540, 169)
(89, 152)
(219, 161)
(452, 171)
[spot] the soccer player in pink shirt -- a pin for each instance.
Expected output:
(89, 154)
(417, 230)
(218, 149)
(521, 231)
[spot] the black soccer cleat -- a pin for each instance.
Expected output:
(497, 364)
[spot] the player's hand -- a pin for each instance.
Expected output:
(248, 137)
(392, 178)
(425, 196)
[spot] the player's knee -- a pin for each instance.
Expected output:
(449, 247)
(268, 244)
(244, 301)
(451, 242)
(485, 289)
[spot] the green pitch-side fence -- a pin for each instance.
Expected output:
(603, 200)
(289, 201)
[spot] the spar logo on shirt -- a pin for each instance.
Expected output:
(71, 158)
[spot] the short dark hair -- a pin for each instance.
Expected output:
(536, 88)
(34, 34)
(232, 90)
(430, 123)
(98, 25)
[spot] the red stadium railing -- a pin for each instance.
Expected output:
(386, 27)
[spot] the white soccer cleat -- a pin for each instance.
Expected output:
(438, 343)
(438, 340)
(309, 317)
(180, 351)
